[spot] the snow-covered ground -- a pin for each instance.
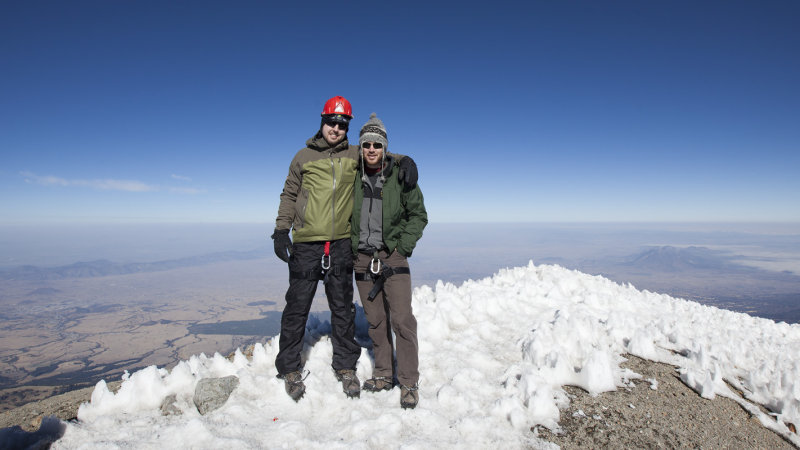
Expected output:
(494, 355)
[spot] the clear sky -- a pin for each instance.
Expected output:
(151, 111)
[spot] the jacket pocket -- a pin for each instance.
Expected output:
(300, 209)
(398, 257)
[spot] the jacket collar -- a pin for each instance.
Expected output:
(318, 143)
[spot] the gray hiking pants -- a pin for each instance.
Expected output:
(391, 311)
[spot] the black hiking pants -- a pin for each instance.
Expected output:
(305, 271)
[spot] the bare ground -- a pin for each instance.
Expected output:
(670, 416)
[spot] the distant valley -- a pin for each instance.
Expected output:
(101, 268)
(63, 333)
(68, 326)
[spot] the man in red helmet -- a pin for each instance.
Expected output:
(316, 205)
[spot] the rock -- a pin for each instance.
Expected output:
(63, 406)
(211, 393)
(36, 422)
(168, 407)
(247, 351)
(50, 430)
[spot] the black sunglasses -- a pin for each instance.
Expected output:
(375, 145)
(332, 121)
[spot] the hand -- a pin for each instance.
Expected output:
(283, 245)
(408, 173)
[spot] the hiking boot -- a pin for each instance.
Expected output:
(409, 397)
(378, 384)
(294, 384)
(350, 383)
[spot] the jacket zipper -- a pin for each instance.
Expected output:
(333, 200)
(371, 199)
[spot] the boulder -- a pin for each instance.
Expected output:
(211, 393)
(168, 407)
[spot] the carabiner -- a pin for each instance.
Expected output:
(372, 264)
(326, 254)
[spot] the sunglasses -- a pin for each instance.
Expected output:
(333, 121)
(375, 145)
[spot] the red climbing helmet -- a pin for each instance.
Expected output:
(338, 105)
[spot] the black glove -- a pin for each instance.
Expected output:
(283, 245)
(408, 174)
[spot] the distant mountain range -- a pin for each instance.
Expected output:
(676, 259)
(102, 267)
(660, 259)
(709, 276)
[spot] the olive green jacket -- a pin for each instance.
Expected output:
(317, 198)
(404, 214)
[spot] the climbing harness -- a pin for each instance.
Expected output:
(321, 272)
(378, 273)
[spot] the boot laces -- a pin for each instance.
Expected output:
(299, 380)
(347, 375)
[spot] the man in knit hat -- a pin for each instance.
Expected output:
(387, 222)
(316, 206)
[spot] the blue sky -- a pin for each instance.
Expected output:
(145, 111)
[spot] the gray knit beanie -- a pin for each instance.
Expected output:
(373, 131)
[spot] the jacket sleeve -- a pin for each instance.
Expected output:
(355, 217)
(291, 188)
(416, 218)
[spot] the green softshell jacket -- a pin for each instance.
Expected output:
(317, 198)
(404, 214)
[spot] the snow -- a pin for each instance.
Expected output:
(494, 356)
